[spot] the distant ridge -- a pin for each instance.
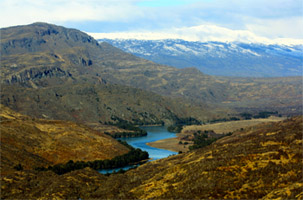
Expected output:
(219, 58)
(201, 33)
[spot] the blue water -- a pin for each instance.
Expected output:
(109, 171)
(154, 133)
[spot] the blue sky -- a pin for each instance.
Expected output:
(164, 3)
(272, 19)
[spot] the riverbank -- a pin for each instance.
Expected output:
(155, 133)
(172, 144)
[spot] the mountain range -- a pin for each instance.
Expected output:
(57, 73)
(54, 72)
(218, 58)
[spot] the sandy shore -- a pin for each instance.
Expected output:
(171, 144)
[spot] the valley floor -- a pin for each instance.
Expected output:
(258, 162)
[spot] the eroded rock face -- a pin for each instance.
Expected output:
(34, 74)
(37, 36)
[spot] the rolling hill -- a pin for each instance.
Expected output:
(33, 142)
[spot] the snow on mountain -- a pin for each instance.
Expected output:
(201, 33)
(219, 58)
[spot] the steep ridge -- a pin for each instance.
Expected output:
(34, 142)
(261, 162)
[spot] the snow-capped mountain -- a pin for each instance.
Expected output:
(218, 58)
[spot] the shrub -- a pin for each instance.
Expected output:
(18, 167)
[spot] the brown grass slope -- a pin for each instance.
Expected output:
(261, 162)
(35, 142)
(230, 126)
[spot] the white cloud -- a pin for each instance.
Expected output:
(277, 28)
(232, 20)
(16, 12)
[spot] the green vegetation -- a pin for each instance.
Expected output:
(224, 120)
(133, 156)
(134, 131)
(246, 115)
(265, 114)
(180, 122)
(18, 167)
(261, 114)
(128, 134)
(175, 128)
(128, 126)
(188, 121)
(202, 139)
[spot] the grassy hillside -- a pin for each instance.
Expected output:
(226, 127)
(102, 103)
(261, 162)
(35, 142)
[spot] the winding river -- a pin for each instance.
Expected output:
(154, 133)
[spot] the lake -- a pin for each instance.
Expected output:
(154, 133)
